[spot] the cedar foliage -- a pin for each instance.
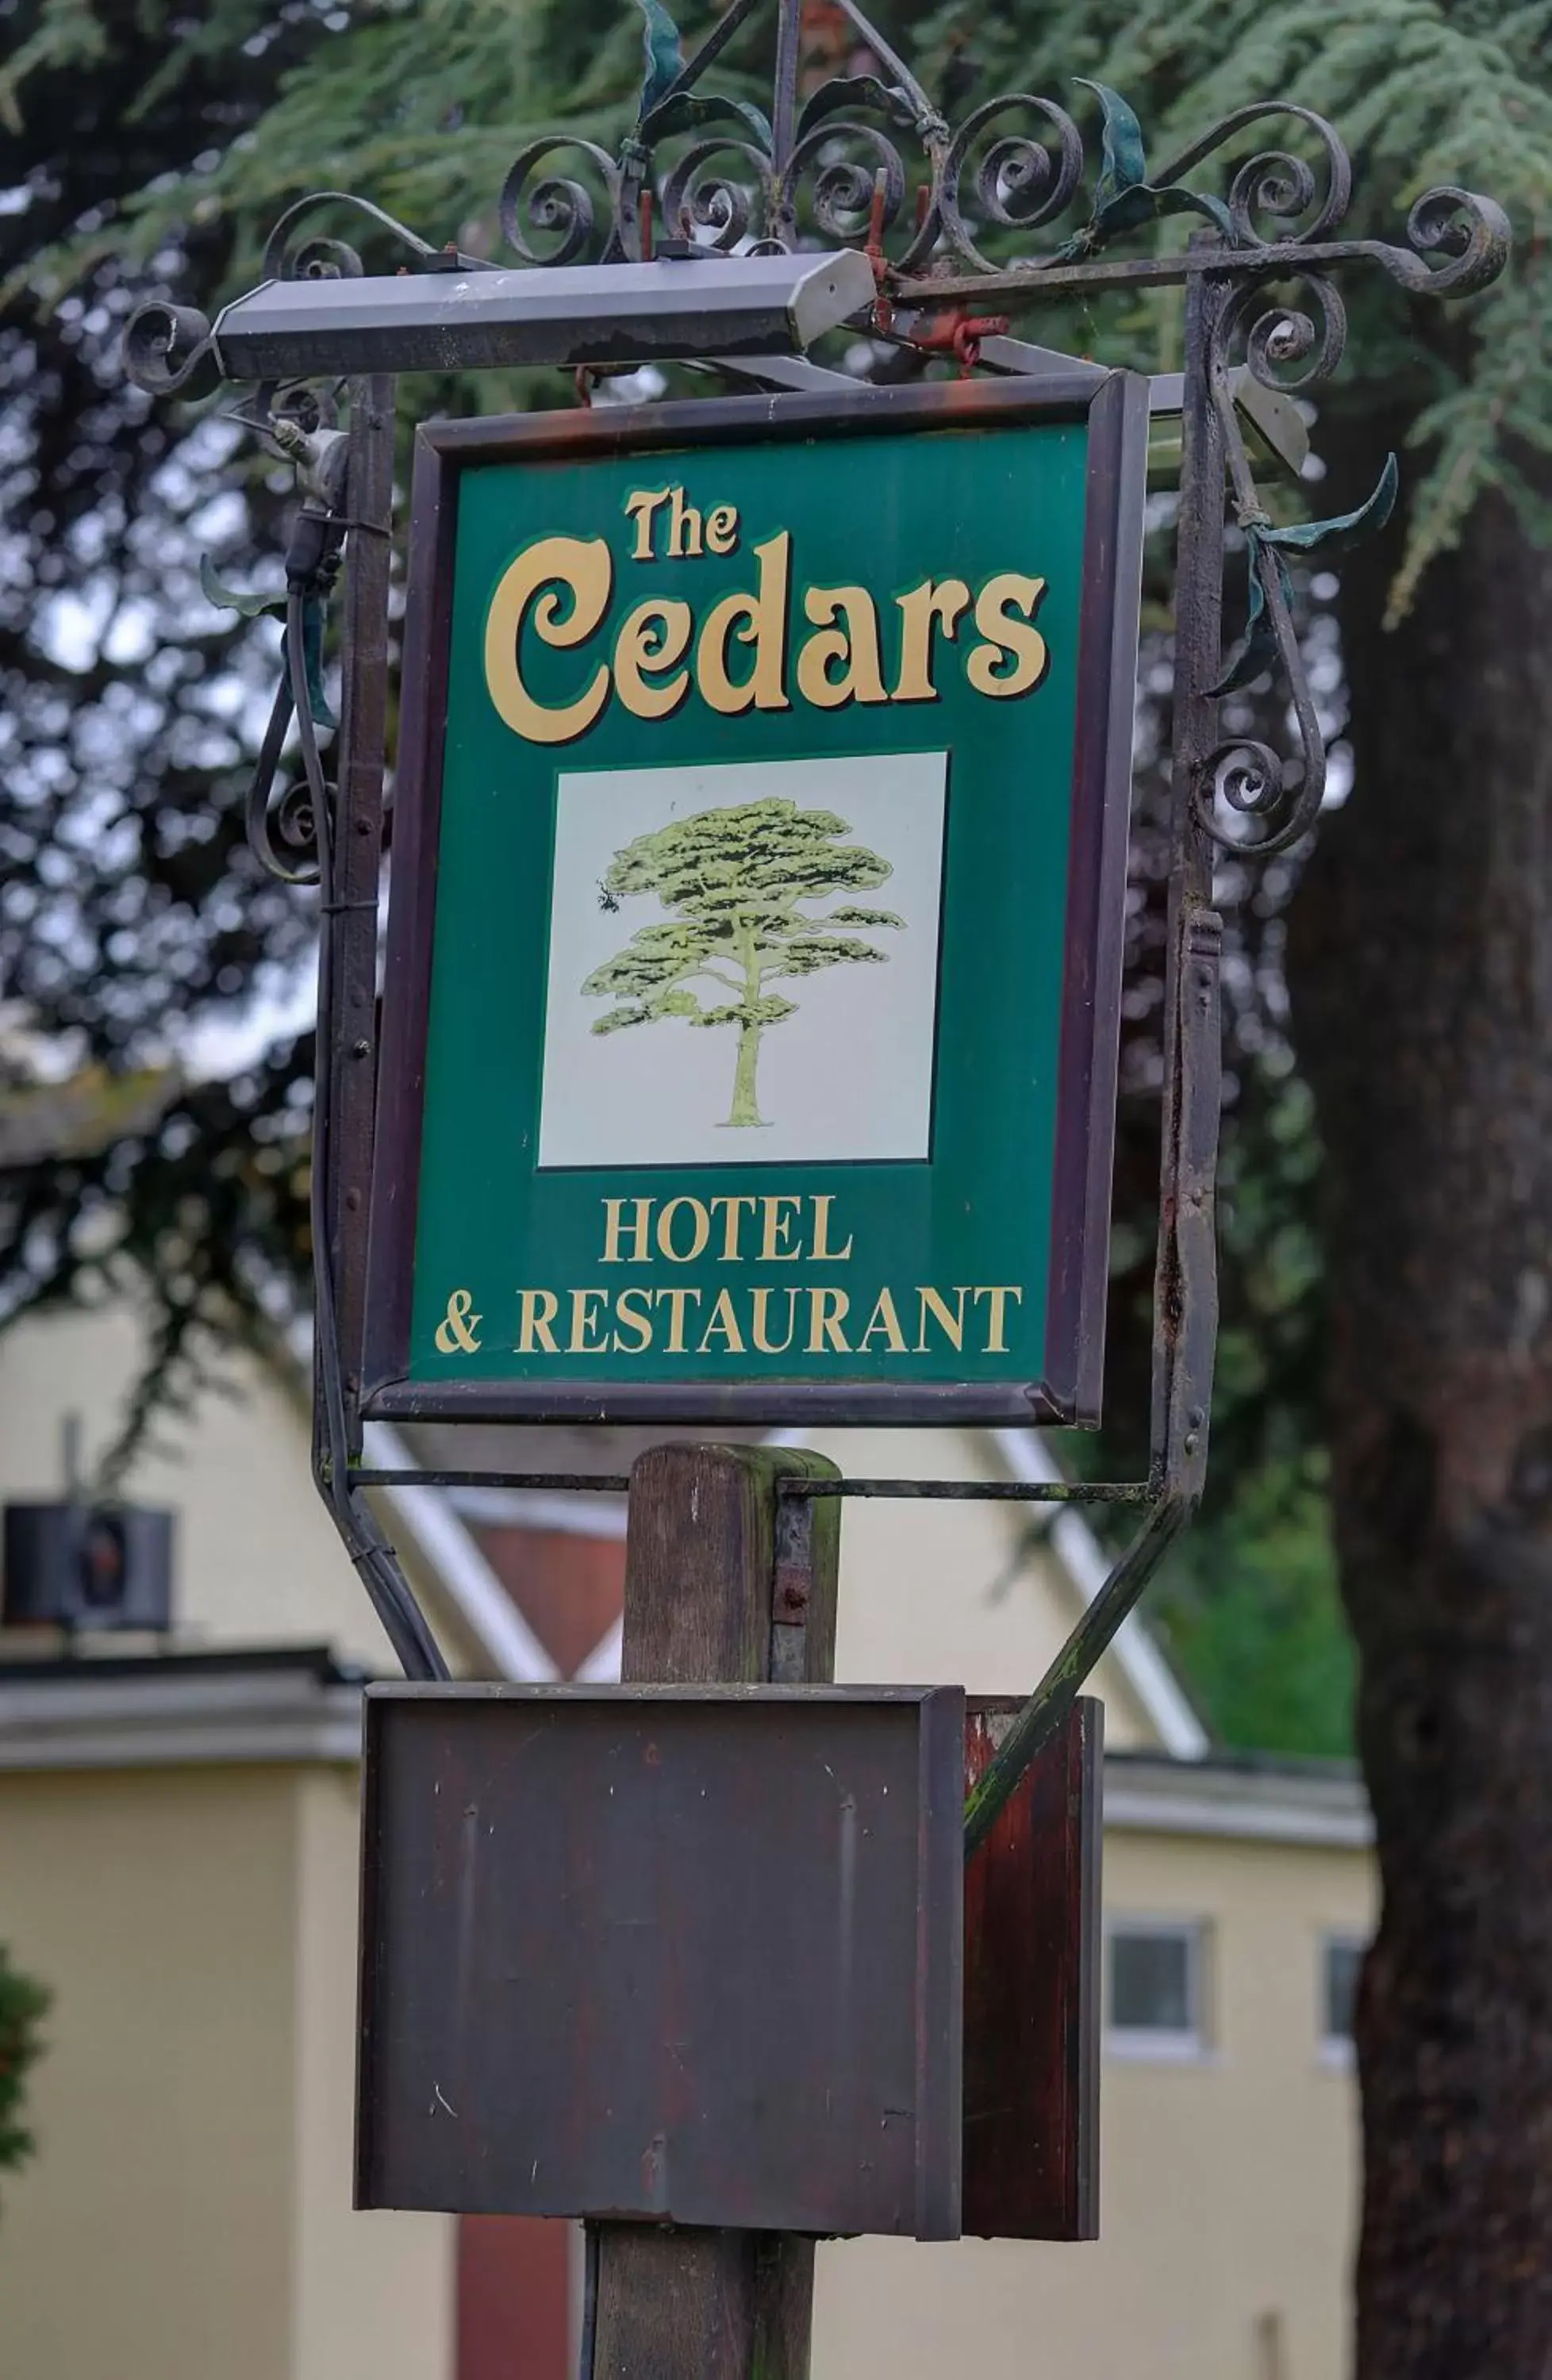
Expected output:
(23, 2005)
(131, 914)
(1423, 94)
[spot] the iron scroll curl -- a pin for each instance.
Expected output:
(165, 345)
(1289, 348)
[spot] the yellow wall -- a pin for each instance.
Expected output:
(158, 1909)
(374, 2293)
(188, 2216)
(257, 1558)
(1226, 2186)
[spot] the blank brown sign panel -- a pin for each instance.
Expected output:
(676, 1953)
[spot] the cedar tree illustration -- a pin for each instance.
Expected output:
(734, 882)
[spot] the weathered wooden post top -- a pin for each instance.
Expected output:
(746, 1055)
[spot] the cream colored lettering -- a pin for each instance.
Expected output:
(559, 592)
(936, 604)
(996, 1344)
(855, 645)
(722, 1324)
(584, 1320)
(1004, 610)
(701, 1230)
(599, 1322)
(683, 529)
(828, 1309)
(823, 1252)
(776, 1242)
(536, 1310)
(759, 1301)
(759, 620)
(632, 1311)
(884, 1317)
(676, 1300)
(733, 1215)
(951, 1325)
(557, 567)
(641, 505)
(614, 1231)
(651, 638)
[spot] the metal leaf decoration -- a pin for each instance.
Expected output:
(848, 91)
(1122, 159)
(1265, 547)
(313, 661)
(664, 53)
(1345, 529)
(1123, 198)
(690, 111)
(226, 598)
(260, 607)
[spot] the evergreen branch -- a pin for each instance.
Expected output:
(23, 2005)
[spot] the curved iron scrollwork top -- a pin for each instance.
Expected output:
(868, 160)
(1007, 177)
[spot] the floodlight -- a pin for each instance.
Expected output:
(458, 319)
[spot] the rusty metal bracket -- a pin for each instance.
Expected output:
(1185, 1336)
(1185, 1275)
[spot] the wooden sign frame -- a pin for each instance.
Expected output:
(1066, 1385)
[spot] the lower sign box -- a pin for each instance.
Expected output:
(1032, 1986)
(681, 1954)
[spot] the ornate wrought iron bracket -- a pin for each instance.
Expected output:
(999, 212)
(964, 225)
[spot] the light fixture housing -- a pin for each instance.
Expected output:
(455, 318)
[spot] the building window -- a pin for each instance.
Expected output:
(1341, 1955)
(1156, 1988)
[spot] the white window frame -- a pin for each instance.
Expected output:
(1335, 2048)
(1160, 2044)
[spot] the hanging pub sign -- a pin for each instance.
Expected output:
(758, 879)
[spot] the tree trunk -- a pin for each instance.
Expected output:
(1421, 973)
(746, 1101)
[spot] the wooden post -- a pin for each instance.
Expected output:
(726, 1582)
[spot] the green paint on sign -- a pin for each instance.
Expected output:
(771, 984)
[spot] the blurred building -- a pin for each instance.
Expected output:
(179, 1861)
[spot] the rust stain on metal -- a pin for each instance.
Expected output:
(791, 1598)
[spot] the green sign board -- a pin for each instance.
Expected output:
(759, 878)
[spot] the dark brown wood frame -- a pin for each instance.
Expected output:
(1116, 411)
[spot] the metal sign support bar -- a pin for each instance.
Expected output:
(918, 223)
(960, 1491)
